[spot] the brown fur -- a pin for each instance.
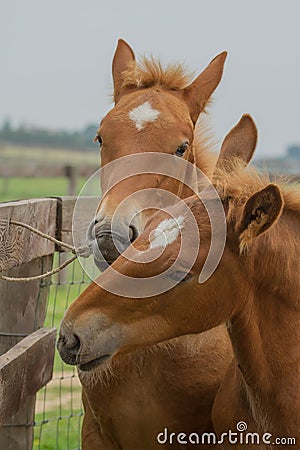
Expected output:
(142, 391)
(257, 293)
(164, 87)
(185, 375)
(240, 184)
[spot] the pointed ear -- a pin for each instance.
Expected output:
(260, 212)
(122, 57)
(240, 142)
(198, 93)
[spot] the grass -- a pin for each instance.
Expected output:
(59, 434)
(18, 188)
(23, 188)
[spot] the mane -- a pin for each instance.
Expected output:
(234, 181)
(148, 72)
(204, 146)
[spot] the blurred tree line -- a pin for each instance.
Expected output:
(34, 136)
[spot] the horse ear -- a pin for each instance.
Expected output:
(260, 212)
(240, 142)
(199, 91)
(122, 57)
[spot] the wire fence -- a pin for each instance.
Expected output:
(58, 407)
(58, 413)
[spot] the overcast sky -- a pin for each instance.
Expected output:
(56, 58)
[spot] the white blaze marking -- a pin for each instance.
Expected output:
(143, 114)
(166, 232)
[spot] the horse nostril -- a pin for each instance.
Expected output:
(75, 344)
(133, 234)
(71, 343)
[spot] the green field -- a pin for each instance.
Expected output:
(18, 188)
(24, 188)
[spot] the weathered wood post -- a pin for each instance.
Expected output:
(22, 310)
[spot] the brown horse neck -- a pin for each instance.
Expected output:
(266, 342)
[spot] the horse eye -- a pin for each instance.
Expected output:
(98, 138)
(180, 150)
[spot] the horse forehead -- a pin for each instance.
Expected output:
(150, 106)
(143, 113)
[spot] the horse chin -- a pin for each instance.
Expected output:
(108, 254)
(97, 363)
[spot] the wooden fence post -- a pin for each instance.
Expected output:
(23, 305)
(71, 174)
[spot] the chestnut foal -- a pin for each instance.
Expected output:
(172, 384)
(155, 112)
(255, 289)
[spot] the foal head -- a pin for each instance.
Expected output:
(155, 113)
(100, 323)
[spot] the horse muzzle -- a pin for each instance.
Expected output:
(90, 346)
(108, 241)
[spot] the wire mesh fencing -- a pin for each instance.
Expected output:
(58, 410)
